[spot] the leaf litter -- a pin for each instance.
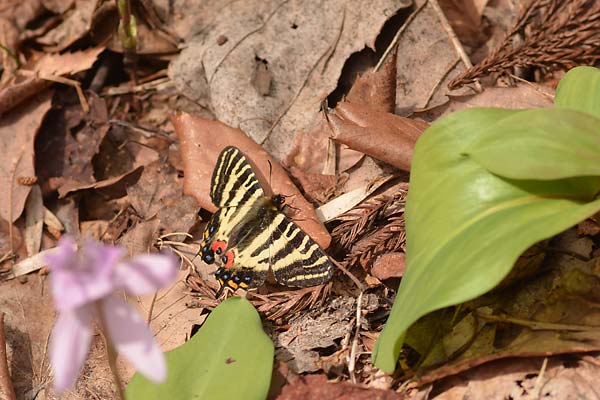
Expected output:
(136, 167)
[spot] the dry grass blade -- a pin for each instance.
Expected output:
(555, 34)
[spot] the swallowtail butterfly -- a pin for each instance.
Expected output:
(249, 233)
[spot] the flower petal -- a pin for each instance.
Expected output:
(69, 345)
(147, 273)
(81, 277)
(132, 338)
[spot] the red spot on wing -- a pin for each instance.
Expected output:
(230, 258)
(219, 245)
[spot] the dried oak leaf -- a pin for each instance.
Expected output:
(383, 136)
(18, 130)
(201, 143)
(77, 23)
(318, 387)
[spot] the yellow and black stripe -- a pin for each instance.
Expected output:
(249, 233)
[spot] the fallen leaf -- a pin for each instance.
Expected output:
(158, 194)
(383, 136)
(309, 152)
(17, 153)
(201, 143)
(305, 49)
(376, 89)
(389, 265)
(427, 61)
(76, 24)
(521, 96)
(465, 17)
(299, 345)
(67, 143)
(318, 387)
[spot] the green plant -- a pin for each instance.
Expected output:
(486, 184)
(229, 358)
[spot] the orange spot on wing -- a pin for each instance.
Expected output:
(219, 245)
(230, 259)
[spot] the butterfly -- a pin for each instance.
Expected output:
(249, 233)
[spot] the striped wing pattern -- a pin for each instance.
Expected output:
(249, 233)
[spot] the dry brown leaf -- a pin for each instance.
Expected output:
(76, 24)
(389, 265)
(310, 151)
(201, 142)
(67, 143)
(32, 78)
(383, 136)
(305, 47)
(376, 89)
(465, 18)
(158, 193)
(521, 96)
(318, 387)
(18, 130)
(427, 61)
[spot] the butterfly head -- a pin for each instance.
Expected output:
(278, 201)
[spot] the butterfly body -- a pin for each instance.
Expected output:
(249, 233)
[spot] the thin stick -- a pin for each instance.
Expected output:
(110, 353)
(358, 284)
(353, 350)
(6, 386)
(538, 382)
(455, 42)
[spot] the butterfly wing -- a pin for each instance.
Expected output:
(234, 189)
(296, 259)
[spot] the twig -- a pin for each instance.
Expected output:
(394, 41)
(455, 42)
(353, 350)
(538, 382)
(6, 386)
(354, 279)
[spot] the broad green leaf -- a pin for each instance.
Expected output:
(466, 226)
(579, 89)
(229, 358)
(544, 144)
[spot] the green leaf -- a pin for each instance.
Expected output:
(579, 89)
(466, 226)
(229, 358)
(541, 144)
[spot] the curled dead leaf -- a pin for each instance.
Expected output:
(201, 143)
(383, 136)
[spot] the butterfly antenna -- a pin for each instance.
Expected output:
(270, 171)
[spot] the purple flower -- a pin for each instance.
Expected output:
(84, 285)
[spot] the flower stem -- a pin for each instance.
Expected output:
(111, 354)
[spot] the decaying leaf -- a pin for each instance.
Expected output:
(18, 130)
(158, 194)
(318, 387)
(201, 143)
(427, 60)
(383, 136)
(77, 23)
(299, 345)
(376, 89)
(305, 49)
